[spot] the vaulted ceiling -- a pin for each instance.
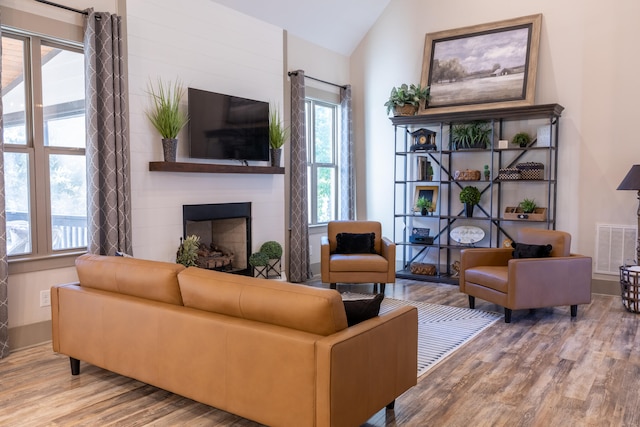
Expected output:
(337, 25)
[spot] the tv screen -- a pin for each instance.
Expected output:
(227, 127)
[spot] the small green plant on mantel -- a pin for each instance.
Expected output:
(165, 114)
(528, 205)
(408, 95)
(188, 251)
(278, 133)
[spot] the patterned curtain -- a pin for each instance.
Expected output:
(4, 267)
(108, 182)
(346, 184)
(299, 262)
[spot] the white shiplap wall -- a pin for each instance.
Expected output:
(209, 47)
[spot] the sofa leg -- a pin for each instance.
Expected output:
(332, 285)
(382, 287)
(391, 405)
(507, 315)
(75, 366)
(472, 301)
(574, 310)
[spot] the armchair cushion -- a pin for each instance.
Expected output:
(360, 310)
(522, 250)
(355, 243)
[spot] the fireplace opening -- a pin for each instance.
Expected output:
(224, 230)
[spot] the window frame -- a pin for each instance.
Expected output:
(312, 165)
(42, 256)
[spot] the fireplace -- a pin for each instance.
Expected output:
(223, 228)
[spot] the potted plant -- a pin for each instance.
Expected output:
(187, 254)
(528, 205)
(423, 204)
(165, 115)
(404, 100)
(470, 196)
(278, 135)
(487, 173)
(259, 261)
(521, 138)
(471, 135)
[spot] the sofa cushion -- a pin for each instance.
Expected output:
(359, 310)
(358, 262)
(522, 250)
(355, 243)
(494, 277)
(315, 310)
(153, 280)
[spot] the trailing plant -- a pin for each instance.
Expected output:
(258, 259)
(187, 254)
(470, 195)
(475, 134)
(165, 114)
(278, 133)
(521, 138)
(407, 94)
(528, 205)
(271, 249)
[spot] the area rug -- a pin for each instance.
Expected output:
(441, 329)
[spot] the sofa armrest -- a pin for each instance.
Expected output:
(546, 282)
(325, 255)
(388, 252)
(365, 367)
(474, 257)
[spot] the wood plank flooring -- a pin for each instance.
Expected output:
(543, 369)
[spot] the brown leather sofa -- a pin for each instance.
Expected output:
(494, 275)
(378, 267)
(277, 353)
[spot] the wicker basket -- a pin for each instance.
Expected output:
(422, 268)
(467, 175)
(629, 285)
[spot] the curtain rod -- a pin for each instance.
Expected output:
(295, 73)
(61, 6)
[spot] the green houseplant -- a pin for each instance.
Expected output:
(278, 135)
(521, 138)
(187, 254)
(165, 115)
(475, 134)
(404, 100)
(272, 249)
(528, 205)
(423, 204)
(470, 196)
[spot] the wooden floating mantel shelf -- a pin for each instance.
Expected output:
(212, 168)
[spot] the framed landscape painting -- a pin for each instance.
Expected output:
(483, 66)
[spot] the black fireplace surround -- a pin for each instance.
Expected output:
(220, 211)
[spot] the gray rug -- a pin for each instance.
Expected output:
(441, 329)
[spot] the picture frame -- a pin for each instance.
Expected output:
(430, 192)
(484, 66)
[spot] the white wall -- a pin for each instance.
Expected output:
(209, 47)
(586, 63)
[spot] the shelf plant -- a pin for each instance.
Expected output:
(165, 115)
(423, 204)
(475, 134)
(470, 196)
(528, 205)
(521, 139)
(404, 100)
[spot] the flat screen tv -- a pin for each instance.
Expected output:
(227, 127)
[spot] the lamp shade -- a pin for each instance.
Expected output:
(632, 180)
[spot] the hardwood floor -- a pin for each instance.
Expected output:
(543, 369)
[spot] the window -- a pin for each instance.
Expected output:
(44, 135)
(322, 160)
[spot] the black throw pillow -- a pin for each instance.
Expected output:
(359, 310)
(522, 250)
(355, 243)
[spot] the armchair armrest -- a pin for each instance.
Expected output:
(388, 252)
(547, 282)
(325, 254)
